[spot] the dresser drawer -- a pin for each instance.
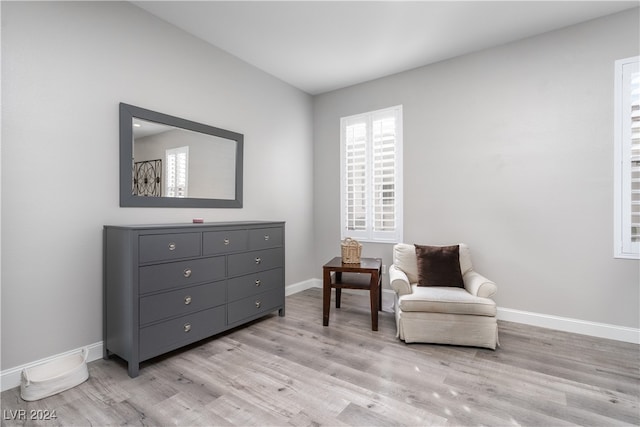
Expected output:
(167, 247)
(182, 301)
(262, 238)
(255, 305)
(162, 337)
(251, 262)
(251, 284)
(218, 242)
(182, 273)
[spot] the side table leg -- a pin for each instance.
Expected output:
(338, 297)
(379, 292)
(374, 296)
(326, 296)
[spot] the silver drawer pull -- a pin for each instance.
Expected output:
(187, 273)
(187, 327)
(258, 282)
(226, 242)
(187, 300)
(266, 237)
(257, 304)
(172, 246)
(258, 260)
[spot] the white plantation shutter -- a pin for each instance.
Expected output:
(371, 160)
(177, 171)
(627, 143)
(384, 209)
(356, 176)
(634, 126)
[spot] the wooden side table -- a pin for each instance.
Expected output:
(366, 275)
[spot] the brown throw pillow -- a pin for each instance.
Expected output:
(439, 266)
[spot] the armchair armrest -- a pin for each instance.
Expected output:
(399, 281)
(478, 285)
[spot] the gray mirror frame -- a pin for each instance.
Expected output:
(127, 199)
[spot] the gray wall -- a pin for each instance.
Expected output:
(511, 151)
(65, 68)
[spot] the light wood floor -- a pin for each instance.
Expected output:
(293, 371)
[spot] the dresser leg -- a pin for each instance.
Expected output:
(281, 312)
(133, 369)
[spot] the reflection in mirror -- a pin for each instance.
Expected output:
(174, 162)
(186, 163)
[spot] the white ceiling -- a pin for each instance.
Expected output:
(319, 46)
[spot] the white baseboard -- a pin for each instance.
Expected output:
(566, 324)
(577, 326)
(10, 378)
(302, 286)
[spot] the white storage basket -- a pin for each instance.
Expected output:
(53, 377)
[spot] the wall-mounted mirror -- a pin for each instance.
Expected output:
(166, 161)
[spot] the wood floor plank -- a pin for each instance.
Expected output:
(293, 371)
(559, 368)
(357, 416)
(333, 391)
(458, 398)
(420, 388)
(539, 385)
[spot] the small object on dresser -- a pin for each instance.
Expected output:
(351, 250)
(198, 220)
(54, 377)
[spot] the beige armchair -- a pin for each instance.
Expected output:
(464, 315)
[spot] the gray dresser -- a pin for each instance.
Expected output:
(166, 286)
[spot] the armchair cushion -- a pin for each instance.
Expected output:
(449, 300)
(439, 266)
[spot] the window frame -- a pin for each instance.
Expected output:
(369, 234)
(624, 247)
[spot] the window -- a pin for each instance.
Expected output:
(371, 176)
(627, 158)
(177, 172)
